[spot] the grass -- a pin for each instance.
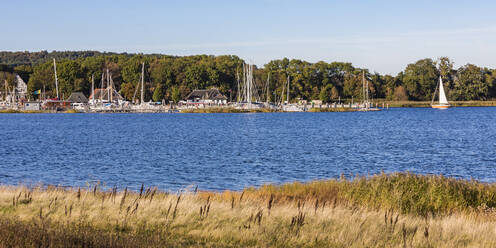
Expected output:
(427, 104)
(396, 210)
(13, 111)
(71, 111)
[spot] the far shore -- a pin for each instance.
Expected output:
(380, 104)
(427, 104)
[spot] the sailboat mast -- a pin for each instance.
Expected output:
(435, 91)
(237, 79)
(367, 90)
(92, 87)
(282, 93)
(111, 88)
(287, 98)
(101, 87)
(246, 84)
(268, 82)
(243, 90)
(142, 82)
(56, 79)
(250, 92)
(363, 86)
(108, 85)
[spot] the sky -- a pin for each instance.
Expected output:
(383, 36)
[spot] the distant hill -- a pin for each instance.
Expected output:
(34, 58)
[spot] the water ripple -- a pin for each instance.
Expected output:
(232, 151)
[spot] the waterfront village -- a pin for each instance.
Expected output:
(107, 99)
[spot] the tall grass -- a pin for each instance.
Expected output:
(397, 210)
(406, 192)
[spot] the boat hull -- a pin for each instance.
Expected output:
(440, 106)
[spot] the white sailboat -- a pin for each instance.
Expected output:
(443, 102)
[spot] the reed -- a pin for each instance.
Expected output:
(385, 210)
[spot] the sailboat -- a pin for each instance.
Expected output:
(443, 102)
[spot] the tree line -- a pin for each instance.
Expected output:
(171, 78)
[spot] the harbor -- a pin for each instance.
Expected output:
(105, 98)
(248, 124)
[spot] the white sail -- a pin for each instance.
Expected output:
(442, 95)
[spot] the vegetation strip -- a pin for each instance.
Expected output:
(397, 210)
(172, 78)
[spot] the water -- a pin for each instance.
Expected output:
(233, 151)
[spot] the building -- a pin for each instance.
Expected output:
(32, 105)
(21, 87)
(17, 94)
(77, 97)
(206, 97)
(56, 104)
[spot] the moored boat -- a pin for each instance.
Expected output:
(443, 102)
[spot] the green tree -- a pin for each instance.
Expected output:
(159, 93)
(471, 84)
(24, 71)
(326, 93)
(176, 94)
(445, 67)
(420, 79)
(390, 85)
(71, 78)
(400, 94)
(127, 90)
(43, 77)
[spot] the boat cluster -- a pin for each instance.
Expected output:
(106, 98)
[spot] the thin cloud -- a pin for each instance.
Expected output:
(344, 40)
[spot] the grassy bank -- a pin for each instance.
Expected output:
(226, 110)
(398, 210)
(427, 104)
(71, 111)
(13, 111)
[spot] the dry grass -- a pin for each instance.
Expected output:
(427, 104)
(13, 111)
(318, 214)
(71, 111)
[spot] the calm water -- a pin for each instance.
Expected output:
(232, 151)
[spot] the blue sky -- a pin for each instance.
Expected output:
(383, 36)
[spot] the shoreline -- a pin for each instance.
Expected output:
(384, 210)
(423, 104)
(211, 110)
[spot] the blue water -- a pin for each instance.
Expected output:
(233, 151)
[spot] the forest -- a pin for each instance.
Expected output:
(171, 78)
